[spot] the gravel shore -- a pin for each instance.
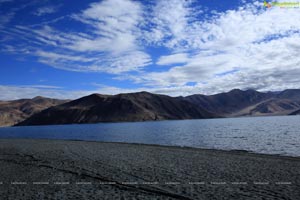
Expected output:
(58, 169)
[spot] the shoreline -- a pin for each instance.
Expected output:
(230, 151)
(113, 170)
(160, 120)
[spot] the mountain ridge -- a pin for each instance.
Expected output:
(145, 106)
(238, 103)
(15, 111)
(141, 106)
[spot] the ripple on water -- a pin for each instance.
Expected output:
(272, 135)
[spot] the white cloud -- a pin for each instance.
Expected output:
(170, 21)
(38, 86)
(114, 23)
(62, 57)
(229, 47)
(109, 46)
(245, 47)
(46, 10)
(129, 61)
(173, 59)
(177, 24)
(30, 91)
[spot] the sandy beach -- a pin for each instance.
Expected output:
(58, 169)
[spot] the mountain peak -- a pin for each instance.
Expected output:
(97, 95)
(38, 97)
(235, 90)
(243, 91)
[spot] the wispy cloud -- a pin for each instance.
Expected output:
(170, 23)
(113, 23)
(244, 47)
(4, 19)
(46, 10)
(250, 39)
(38, 86)
(173, 59)
(18, 92)
(30, 91)
(110, 46)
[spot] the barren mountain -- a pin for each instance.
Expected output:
(249, 103)
(290, 94)
(229, 102)
(12, 112)
(142, 106)
(270, 107)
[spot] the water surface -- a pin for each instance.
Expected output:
(271, 135)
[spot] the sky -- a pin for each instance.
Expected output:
(69, 49)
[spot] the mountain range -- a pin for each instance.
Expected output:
(13, 112)
(142, 106)
(237, 103)
(145, 106)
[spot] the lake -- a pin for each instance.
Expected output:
(270, 135)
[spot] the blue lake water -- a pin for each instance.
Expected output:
(271, 135)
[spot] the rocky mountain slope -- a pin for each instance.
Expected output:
(270, 107)
(142, 106)
(12, 112)
(249, 103)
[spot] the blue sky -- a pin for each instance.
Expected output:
(63, 49)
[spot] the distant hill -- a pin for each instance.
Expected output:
(13, 112)
(230, 102)
(249, 103)
(270, 107)
(290, 94)
(141, 106)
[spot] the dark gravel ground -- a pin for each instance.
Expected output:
(58, 169)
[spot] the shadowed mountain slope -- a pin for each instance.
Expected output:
(142, 106)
